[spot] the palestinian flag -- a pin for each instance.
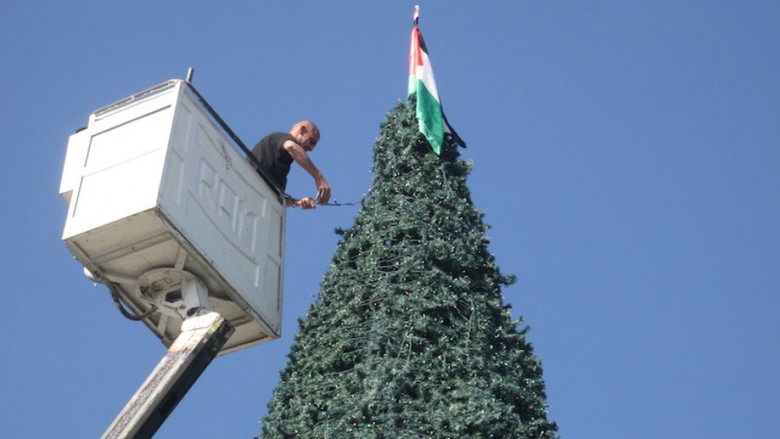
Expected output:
(433, 123)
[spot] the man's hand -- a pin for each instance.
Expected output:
(323, 190)
(305, 203)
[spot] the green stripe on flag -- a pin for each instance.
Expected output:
(429, 116)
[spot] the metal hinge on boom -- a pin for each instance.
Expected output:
(203, 333)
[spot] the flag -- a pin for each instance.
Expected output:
(433, 124)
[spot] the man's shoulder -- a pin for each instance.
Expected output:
(275, 139)
(281, 136)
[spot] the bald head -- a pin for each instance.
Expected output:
(306, 123)
(306, 134)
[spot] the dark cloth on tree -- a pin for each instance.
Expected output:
(274, 160)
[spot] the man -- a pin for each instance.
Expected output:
(277, 151)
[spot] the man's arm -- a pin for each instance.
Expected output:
(302, 158)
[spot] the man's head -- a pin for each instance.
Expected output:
(306, 134)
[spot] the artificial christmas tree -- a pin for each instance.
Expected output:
(409, 337)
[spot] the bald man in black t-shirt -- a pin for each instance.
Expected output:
(277, 151)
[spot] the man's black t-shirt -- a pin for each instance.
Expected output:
(274, 159)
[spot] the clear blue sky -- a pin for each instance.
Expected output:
(626, 154)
